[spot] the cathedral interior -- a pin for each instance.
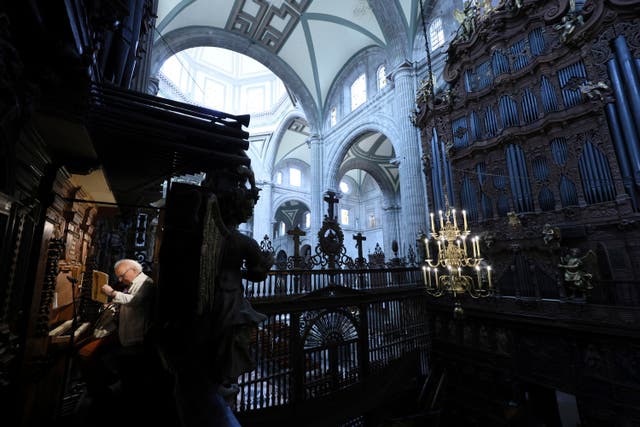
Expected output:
(448, 190)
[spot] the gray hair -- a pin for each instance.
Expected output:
(131, 262)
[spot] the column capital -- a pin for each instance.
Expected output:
(404, 69)
(314, 138)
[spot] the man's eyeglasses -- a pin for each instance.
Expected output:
(121, 276)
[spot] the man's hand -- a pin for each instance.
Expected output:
(108, 290)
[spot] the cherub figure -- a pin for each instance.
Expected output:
(445, 97)
(570, 22)
(549, 233)
(467, 19)
(488, 238)
(514, 220)
(576, 279)
(206, 325)
(593, 91)
(425, 92)
(514, 4)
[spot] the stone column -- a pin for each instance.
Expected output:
(408, 154)
(263, 211)
(316, 186)
(391, 229)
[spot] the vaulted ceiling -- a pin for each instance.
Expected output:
(305, 42)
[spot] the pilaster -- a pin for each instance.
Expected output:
(408, 154)
(316, 143)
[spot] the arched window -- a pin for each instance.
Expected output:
(282, 229)
(436, 34)
(334, 116)
(382, 77)
(344, 187)
(279, 178)
(344, 216)
(307, 220)
(358, 92)
(295, 177)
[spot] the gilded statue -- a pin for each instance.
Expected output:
(514, 220)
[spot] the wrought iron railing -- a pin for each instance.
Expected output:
(317, 348)
(302, 282)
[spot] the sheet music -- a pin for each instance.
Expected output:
(99, 279)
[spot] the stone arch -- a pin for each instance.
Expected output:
(277, 135)
(377, 123)
(291, 216)
(185, 38)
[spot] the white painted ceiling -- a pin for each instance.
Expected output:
(315, 38)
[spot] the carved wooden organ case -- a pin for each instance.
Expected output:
(540, 125)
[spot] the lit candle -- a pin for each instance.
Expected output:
(424, 275)
(435, 273)
(441, 220)
(489, 274)
(426, 245)
(473, 245)
(478, 244)
(478, 275)
(433, 223)
(464, 219)
(459, 271)
(439, 247)
(464, 245)
(429, 275)
(455, 221)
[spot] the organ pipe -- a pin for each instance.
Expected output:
(623, 161)
(625, 119)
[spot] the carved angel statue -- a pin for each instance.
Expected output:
(550, 233)
(467, 18)
(514, 4)
(445, 97)
(232, 257)
(425, 91)
(570, 22)
(207, 324)
(576, 279)
(514, 220)
(593, 91)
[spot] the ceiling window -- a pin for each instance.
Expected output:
(436, 34)
(295, 177)
(344, 187)
(344, 216)
(334, 116)
(382, 77)
(358, 92)
(279, 178)
(307, 220)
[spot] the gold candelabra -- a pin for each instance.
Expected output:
(454, 269)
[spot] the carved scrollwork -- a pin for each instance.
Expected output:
(553, 12)
(601, 51)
